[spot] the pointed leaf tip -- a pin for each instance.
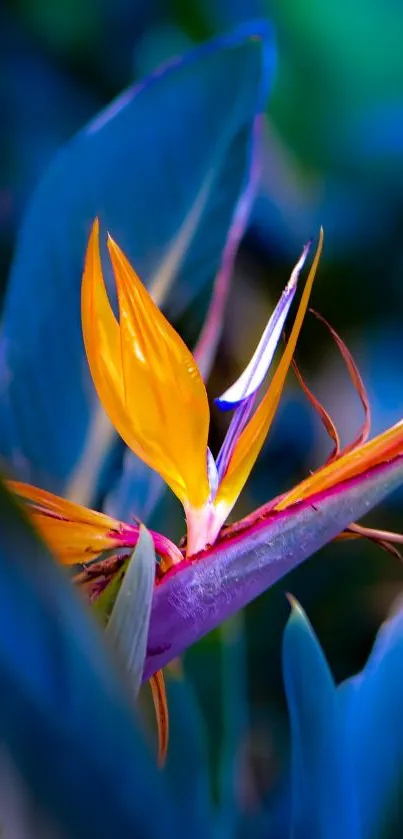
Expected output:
(298, 626)
(296, 608)
(322, 803)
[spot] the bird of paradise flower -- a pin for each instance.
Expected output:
(153, 392)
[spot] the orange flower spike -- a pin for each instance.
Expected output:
(153, 392)
(146, 377)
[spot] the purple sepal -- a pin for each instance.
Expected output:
(199, 595)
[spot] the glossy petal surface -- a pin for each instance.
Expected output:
(146, 377)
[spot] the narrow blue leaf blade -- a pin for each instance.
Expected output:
(372, 705)
(322, 796)
(127, 628)
(234, 702)
(200, 595)
(163, 167)
(187, 767)
(65, 717)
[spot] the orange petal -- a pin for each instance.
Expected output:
(379, 450)
(73, 533)
(146, 377)
(73, 543)
(60, 507)
(101, 335)
(252, 438)
(157, 685)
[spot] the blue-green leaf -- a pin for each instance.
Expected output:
(128, 624)
(66, 719)
(372, 705)
(322, 796)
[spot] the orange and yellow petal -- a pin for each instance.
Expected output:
(73, 533)
(102, 342)
(253, 436)
(73, 543)
(145, 376)
(386, 446)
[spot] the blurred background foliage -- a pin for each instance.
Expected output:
(333, 154)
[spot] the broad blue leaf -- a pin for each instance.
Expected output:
(66, 719)
(127, 628)
(187, 767)
(322, 796)
(29, 143)
(372, 703)
(200, 595)
(163, 167)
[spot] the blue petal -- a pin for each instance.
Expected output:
(323, 799)
(163, 167)
(65, 718)
(372, 703)
(252, 377)
(241, 395)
